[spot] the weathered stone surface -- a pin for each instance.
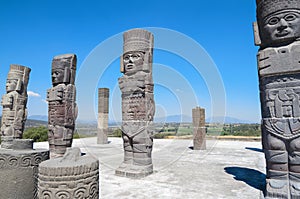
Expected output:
(14, 112)
(279, 77)
(103, 107)
(62, 108)
(199, 128)
(70, 176)
(19, 170)
(138, 105)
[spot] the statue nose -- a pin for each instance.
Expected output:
(282, 25)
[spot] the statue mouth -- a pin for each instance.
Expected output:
(129, 66)
(282, 33)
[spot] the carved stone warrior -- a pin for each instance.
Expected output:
(277, 32)
(137, 103)
(14, 112)
(62, 109)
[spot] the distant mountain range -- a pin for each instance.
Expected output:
(38, 117)
(167, 119)
(188, 119)
(228, 120)
(32, 122)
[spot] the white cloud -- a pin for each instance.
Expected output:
(45, 101)
(33, 94)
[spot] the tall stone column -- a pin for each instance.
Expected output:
(138, 105)
(103, 107)
(62, 108)
(199, 128)
(14, 102)
(277, 33)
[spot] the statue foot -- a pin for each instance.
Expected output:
(123, 168)
(276, 188)
(134, 171)
(295, 189)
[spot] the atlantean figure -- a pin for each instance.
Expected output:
(137, 103)
(62, 109)
(277, 32)
(14, 112)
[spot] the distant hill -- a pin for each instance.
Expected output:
(35, 123)
(38, 117)
(187, 119)
(32, 123)
(228, 120)
(173, 118)
(42, 119)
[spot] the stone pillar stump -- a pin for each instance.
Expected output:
(19, 168)
(199, 128)
(70, 176)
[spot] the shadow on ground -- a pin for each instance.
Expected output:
(254, 178)
(254, 149)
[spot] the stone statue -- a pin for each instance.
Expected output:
(14, 112)
(277, 32)
(138, 105)
(62, 109)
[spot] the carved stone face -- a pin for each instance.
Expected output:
(281, 26)
(57, 76)
(133, 61)
(11, 85)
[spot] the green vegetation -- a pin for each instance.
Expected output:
(214, 130)
(38, 134)
(78, 135)
(162, 135)
(242, 130)
(116, 133)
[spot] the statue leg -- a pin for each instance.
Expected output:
(126, 165)
(142, 149)
(294, 168)
(51, 131)
(128, 151)
(277, 166)
(128, 156)
(59, 148)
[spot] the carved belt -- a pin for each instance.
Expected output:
(288, 128)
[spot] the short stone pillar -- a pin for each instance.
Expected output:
(103, 107)
(70, 176)
(19, 168)
(199, 128)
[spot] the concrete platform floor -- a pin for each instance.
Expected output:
(227, 169)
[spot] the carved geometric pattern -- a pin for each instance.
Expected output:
(69, 182)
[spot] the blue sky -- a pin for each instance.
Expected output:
(33, 32)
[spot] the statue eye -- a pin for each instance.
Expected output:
(126, 58)
(290, 17)
(273, 21)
